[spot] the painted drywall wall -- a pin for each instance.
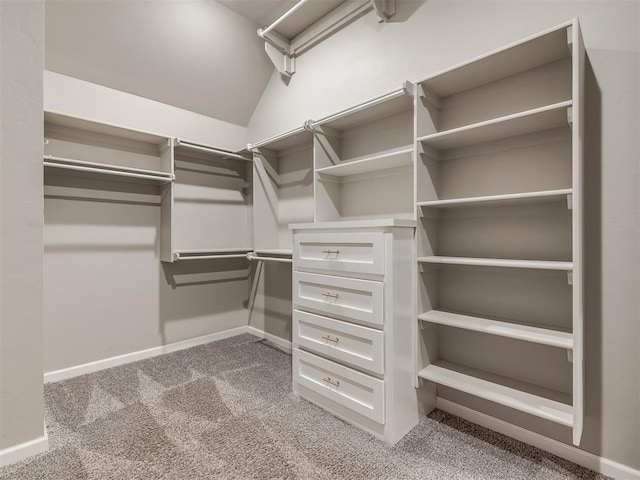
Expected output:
(198, 55)
(21, 51)
(106, 293)
(368, 59)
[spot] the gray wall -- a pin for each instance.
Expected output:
(106, 293)
(21, 51)
(368, 59)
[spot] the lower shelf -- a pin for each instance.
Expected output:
(448, 375)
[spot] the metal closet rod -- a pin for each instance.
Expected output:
(180, 258)
(105, 169)
(257, 258)
(263, 31)
(275, 138)
(222, 153)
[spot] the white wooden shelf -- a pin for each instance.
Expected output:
(51, 161)
(540, 406)
(499, 262)
(529, 121)
(490, 200)
(377, 108)
(397, 158)
(516, 331)
(546, 47)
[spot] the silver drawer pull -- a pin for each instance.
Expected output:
(329, 339)
(335, 383)
(332, 295)
(329, 252)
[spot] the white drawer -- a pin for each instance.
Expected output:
(350, 298)
(354, 390)
(340, 252)
(345, 342)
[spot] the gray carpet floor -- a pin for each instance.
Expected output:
(225, 410)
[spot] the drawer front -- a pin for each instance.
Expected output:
(358, 346)
(354, 390)
(349, 298)
(340, 252)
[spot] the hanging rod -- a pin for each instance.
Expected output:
(275, 138)
(202, 148)
(256, 258)
(407, 89)
(263, 31)
(179, 258)
(81, 166)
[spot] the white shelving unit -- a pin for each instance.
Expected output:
(362, 151)
(499, 196)
(207, 210)
(282, 189)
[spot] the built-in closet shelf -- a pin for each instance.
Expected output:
(212, 254)
(532, 52)
(499, 262)
(370, 111)
(529, 121)
(494, 389)
(375, 163)
(491, 200)
(82, 166)
(516, 331)
(361, 223)
(182, 145)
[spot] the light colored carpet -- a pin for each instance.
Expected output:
(225, 410)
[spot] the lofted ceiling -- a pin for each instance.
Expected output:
(265, 12)
(200, 55)
(194, 54)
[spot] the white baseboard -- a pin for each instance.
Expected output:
(282, 343)
(24, 450)
(98, 365)
(568, 452)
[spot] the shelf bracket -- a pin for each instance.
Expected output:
(570, 201)
(570, 277)
(282, 60)
(570, 39)
(569, 355)
(570, 116)
(385, 9)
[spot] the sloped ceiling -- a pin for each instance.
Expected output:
(194, 54)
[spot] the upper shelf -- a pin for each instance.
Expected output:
(397, 158)
(204, 152)
(284, 141)
(52, 118)
(532, 52)
(543, 118)
(380, 107)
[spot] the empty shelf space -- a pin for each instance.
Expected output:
(499, 262)
(397, 158)
(51, 161)
(490, 200)
(516, 331)
(537, 119)
(530, 53)
(447, 375)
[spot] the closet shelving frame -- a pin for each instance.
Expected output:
(500, 150)
(283, 191)
(362, 152)
(206, 212)
(72, 145)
